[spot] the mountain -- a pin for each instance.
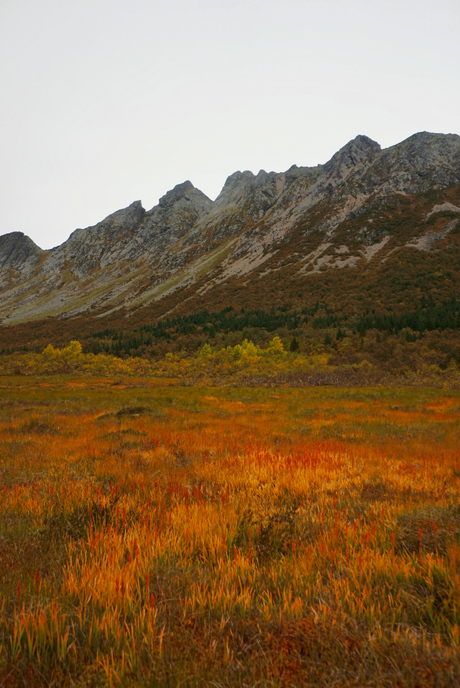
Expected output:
(371, 228)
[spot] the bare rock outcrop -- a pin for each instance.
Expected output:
(18, 251)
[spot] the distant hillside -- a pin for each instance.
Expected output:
(370, 232)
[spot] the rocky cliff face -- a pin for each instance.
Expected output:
(363, 205)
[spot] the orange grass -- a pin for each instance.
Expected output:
(161, 535)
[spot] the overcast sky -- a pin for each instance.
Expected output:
(103, 102)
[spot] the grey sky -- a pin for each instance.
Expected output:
(104, 102)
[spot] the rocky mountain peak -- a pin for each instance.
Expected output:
(422, 161)
(239, 177)
(184, 192)
(239, 184)
(17, 249)
(173, 217)
(423, 138)
(425, 147)
(356, 151)
(235, 185)
(126, 218)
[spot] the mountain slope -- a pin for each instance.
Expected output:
(366, 222)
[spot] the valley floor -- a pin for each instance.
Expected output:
(159, 534)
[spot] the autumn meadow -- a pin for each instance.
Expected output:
(159, 533)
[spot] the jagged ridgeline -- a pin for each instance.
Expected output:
(370, 240)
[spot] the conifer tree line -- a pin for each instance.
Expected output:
(205, 326)
(404, 341)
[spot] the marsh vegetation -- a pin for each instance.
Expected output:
(153, 533)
